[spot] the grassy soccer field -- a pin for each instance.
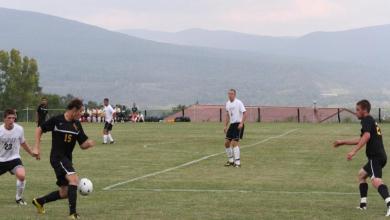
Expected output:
(290, 171)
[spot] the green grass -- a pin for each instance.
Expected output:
(276, 181)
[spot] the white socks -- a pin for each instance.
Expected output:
(236, 154)
(229, 153)
(20, 189)
(105, 138)
(110, 137)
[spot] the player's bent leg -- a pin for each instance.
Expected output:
(105, 136)
(73, 180)
(383, 191)
(236, 153)
(20, 174)
(363, 189)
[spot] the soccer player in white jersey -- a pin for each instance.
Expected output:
(11, 138)
(234, 128)
(109, 115)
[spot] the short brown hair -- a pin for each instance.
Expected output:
(9, 112)
(75, 103)
(365, 105)
(233, 90)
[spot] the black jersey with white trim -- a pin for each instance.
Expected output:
(64, 136)
(375, 148)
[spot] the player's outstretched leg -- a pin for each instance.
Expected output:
(20, 174)
(51, 197)
(383, 191)
(363, 189)
(229, 154)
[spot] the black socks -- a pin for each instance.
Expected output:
(72, 198)
(51, 197)
(384, 192)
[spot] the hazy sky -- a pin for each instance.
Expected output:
(266, 17)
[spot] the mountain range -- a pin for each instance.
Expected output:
(199, 65)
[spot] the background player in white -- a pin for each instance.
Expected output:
(109, 115)
(234, 128)
(11, 138)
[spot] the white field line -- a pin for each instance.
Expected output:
(193, 162)
(238, 191)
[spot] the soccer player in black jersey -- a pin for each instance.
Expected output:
(371, 137)
(66, 130)
(42, 112)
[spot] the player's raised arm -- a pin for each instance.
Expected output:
(339, 143)
(362, 142)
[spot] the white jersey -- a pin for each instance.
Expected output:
(236, 110)
(108, 112)
(10, 141)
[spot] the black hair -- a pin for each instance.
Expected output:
(75, 103)
(9, 112)
(365, 105)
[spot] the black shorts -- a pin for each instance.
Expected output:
(107, 126)
(233, 133)
(10, 166)
(62, 168)
(374, 167)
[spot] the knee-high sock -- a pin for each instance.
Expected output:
(20, 185)
(51, 197)
(229, 153)
(72, 198)
(110, 137)
(105, 138)
(236, 153)
(384, 192)
(363, 188)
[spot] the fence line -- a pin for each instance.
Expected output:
(216, 113)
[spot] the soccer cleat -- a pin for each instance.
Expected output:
(363, 206)
(40, 208)
(74, 216)
(112, 142)
(237, 165)
(21, 202)
(229, 164)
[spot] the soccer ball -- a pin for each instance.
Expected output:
(85, 187)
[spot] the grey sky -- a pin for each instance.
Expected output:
(265, 17)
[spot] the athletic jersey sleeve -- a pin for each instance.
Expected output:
(111, 110)
(81, 137)
(242, 107)
(226, 107)
(49, 125)
(366, 125)
(22, 140)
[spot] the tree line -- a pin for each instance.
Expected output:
(19, 83)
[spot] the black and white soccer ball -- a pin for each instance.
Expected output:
(85, 187)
